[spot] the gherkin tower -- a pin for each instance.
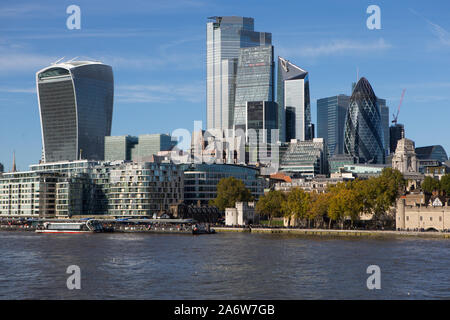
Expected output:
(363, 133)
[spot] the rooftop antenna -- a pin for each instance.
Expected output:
(58, 60)
(357, 74)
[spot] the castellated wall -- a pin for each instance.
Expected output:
(410, 217)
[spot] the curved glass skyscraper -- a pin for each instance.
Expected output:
(363, 133)
(76, 104)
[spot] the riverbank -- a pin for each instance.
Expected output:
(337, 233)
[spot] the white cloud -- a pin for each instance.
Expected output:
(17, 90)
(334, 47)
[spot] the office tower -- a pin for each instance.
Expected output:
(288, 130)
(224, 37)
(261, 119)
(119, 147)
(254, 80)
(331, 113)
(151, 144)
(262, 115)
(76, 104)
(396, 132)
(384, 112)
(1, 168)
(293, 95)
(363, 134)
(307, 158)
(435, 152)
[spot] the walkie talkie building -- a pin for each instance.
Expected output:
(363, 134)
(76, 104)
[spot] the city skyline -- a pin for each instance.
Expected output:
(149, 95)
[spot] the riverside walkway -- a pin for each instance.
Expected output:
(336, 233)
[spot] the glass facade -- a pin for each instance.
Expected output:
(331, 112)
(396, 132)
(293, 95)
(254, 81)
(76, 105)
(119, 147)
(363, 135)
(224, 37)
(432, 153)
(200, 181)
(384, 112)
(307, 158)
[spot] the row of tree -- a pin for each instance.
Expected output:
(346, 200)
(430, 184)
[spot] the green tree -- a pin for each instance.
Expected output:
(430, 184)
(229, 191)
(445, 184)
(270, 204)
(296, 204)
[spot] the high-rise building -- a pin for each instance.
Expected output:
(331, 112)
(137, 148)
(224, 37)
(76, 104)
(254, 80)
(308, 158)
(119, 147)
(261, 119)
(396, 132)
(384, 112)
(293, 99)
(363, 134)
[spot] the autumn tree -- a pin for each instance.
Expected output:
(270, 204)
(297, 204)
(319, 207)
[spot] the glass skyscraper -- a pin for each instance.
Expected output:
(331, 113)
(76, 104)
(384, 111)
(224, 37)
(293, 95)
(254, 81)
(363, 134)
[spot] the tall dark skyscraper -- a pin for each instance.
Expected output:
(384, 112)
(363, 134)
(76, 104)
(331, 112)
(293, 101)
(396, 132)
(225, 36)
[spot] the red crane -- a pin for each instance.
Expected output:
(398, 109)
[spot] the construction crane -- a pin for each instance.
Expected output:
(398, 109)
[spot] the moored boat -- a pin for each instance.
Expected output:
(89, 226)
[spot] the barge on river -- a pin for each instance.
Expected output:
(89, 226)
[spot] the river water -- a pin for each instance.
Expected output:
(220, 266)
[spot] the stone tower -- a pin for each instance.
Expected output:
(405, 159)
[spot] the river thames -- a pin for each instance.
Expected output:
(221, 266)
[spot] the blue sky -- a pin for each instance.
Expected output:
(157, 51)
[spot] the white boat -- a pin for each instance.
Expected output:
(89, 226)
